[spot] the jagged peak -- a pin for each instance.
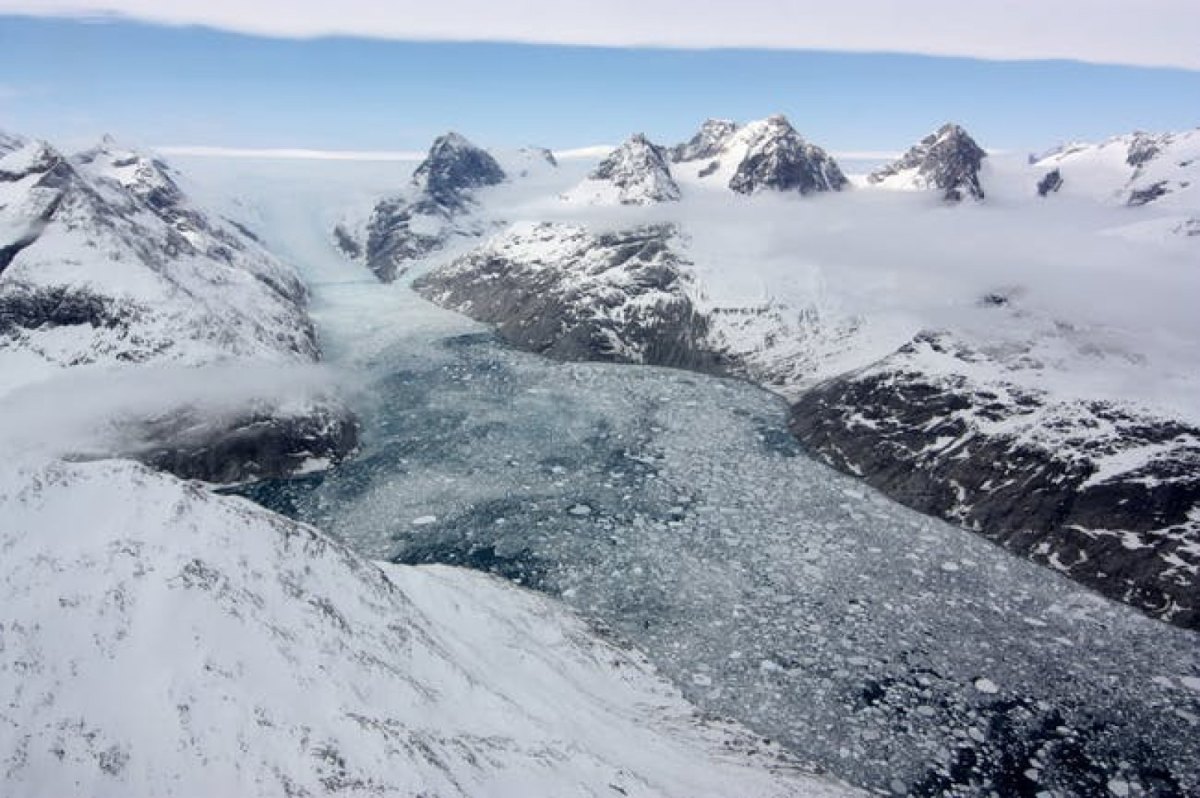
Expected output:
(638, 173)
(453, 166)
(778, 158)
(948, 160)
(709, 140)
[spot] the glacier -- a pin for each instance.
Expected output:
(890, 649)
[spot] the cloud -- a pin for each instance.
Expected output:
(290, 154)
(1159, 33)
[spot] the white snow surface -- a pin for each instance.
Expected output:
(159, 640)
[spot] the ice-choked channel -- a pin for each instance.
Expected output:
(890, 649)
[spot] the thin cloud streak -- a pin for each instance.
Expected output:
(288, 153)
(1157, 33)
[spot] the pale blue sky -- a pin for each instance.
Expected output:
(71, 80)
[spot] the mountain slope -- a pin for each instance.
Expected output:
(1105, 492)
(156, 639)
(106, 261)
(569, 293)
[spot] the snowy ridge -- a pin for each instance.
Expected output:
(636, 173)
(947, 160)
(1134, 169)
(160, 640)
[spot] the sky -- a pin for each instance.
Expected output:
(156, 78)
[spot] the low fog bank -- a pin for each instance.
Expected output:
(93, 413)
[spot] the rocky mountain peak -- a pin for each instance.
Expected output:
(947, 160)
(146, 177)
(708, 142)
(639, 171)
(779, 159)
(453, 166)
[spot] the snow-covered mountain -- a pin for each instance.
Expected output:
(766, 155)
(156, 639)
(106, 261)
(947, 160)
(1134, 170)
(106, 264)
(436, 208)
(636, 173)
(834, 304)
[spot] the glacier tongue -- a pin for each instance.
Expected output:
(156, 639)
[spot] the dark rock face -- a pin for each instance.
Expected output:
(778, 159)
(947, 160)
(639, 170)
(405, 228)
(1142, 149)
(453, 168)
(708, 142)
(250, 447)
(616, 297)
(393, 243)
(1050, 183)
(26, 307)
(1144, 196)
(1130, 534)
